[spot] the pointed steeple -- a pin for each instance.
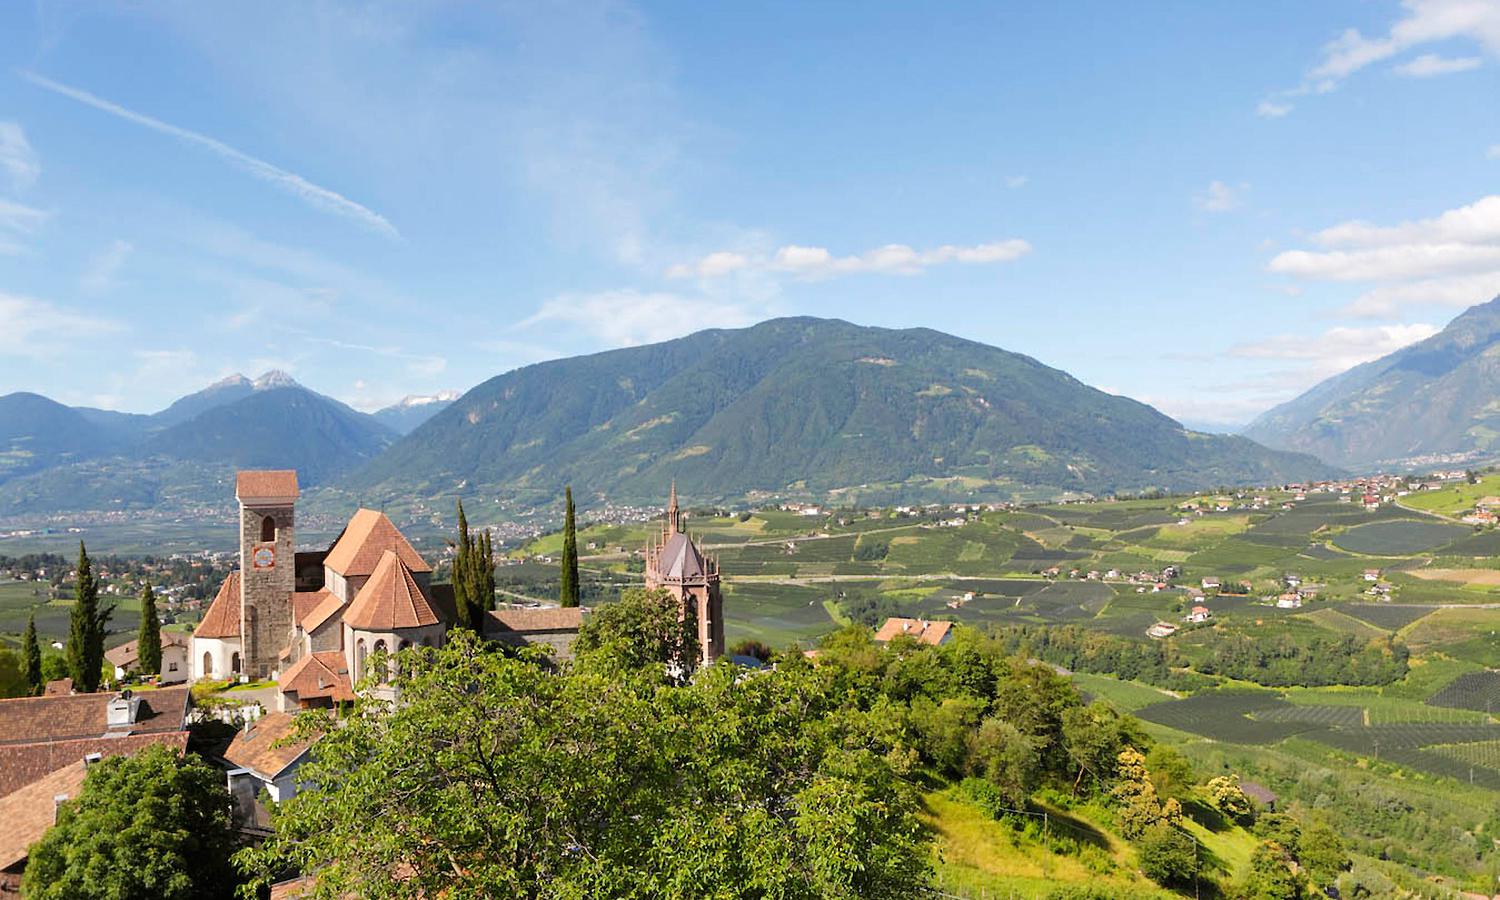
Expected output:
(674, 515)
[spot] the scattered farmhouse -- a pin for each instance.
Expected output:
(934, 633)
(174, 658)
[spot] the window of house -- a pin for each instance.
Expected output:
(267, 530)
(171, 667)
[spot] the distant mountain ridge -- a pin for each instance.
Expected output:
(810, 406)
(54, 457)
(404, 416)
(1438, 397)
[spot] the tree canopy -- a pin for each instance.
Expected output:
(156, 824)
(148, 637)
(87, 625)
(569, 574)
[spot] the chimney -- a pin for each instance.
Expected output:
(123, 710)
(57, 801)
(91, 758)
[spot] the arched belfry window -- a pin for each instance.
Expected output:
(267, 530)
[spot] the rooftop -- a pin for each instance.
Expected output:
(262, 746)
(266, 484)
(391, 599)
(321, 674)
(921, 629)
(367, 536)
(223, 617)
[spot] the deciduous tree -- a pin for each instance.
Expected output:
(156, 824)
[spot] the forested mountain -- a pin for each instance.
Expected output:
(37, 433)
(1437, 396)
(808, 405)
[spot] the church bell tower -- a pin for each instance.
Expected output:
(268, 570)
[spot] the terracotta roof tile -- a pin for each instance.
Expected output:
(223, 617)
(365, 539)
(21, 764)
(304, 602)
(921, 629)
(266, 484)
(326, 609)
(321, 674)
(262, 746)
(525, 620)
(26, 720)
(390, 599)
(27, 813)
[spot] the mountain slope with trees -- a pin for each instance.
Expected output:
(1436, 396)
(809, 405)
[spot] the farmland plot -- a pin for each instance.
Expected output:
(1398, 537)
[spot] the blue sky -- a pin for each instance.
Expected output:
(1208, 207)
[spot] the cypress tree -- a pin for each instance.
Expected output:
(86, 626)
(148, 641)
(31, 652)
(487, 575)
(569, 553)
(463, 583)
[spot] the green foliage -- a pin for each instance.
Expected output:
(1228, 798)
(535, 784)
(1322, 854)
(871, 551)
(1168, 855)
(1284, 659)
(1140, 807)
(88, 624)
(644, 630)
(155, 824)
(569, 592)
(1271, 876)
(1083, 650)
(13, 681)
(148, 639)
(31, 658)
(866, 607)
(473, 575)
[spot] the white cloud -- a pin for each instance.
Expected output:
(1452, 259)
(1220, 197)
(99, 275)
(1493, 152)
(818, 262)
(1425, 22)
(36, 328)
(626, 318)
(18, 161)
(1338, 348)
(1429, 65)
(17, 221)
(314, 195)
(1015, 181)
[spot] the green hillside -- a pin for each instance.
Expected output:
(808, 406)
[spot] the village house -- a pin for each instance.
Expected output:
(264, 757)
(175, 667)
(934, 633)
(1161, 630)
(1289, 600)
(1198, 614)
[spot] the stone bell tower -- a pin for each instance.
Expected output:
(268, 569)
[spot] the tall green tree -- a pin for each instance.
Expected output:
(31, 654)
(574, 784)
(148, 640)
(486, 575)
(86, 628)
(569, 594)
(156, 824)
(642, 630)
(465, 597)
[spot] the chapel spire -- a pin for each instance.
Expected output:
(674, 515)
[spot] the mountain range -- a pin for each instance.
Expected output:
(790, 407)
(1438, 398)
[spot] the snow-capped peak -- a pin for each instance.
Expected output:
(274, 379)
(411, 400)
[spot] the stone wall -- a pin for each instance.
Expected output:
(266, 590)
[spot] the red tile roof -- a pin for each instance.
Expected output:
(263, 746)
(26, 720)
(924, 631)
(21, 764)
(525, 620)
(304, 602)
(365, 539)
(223, 617)
(390, 599)
(321, 674)
(266, 484)
(27, 813)
(325, 610)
